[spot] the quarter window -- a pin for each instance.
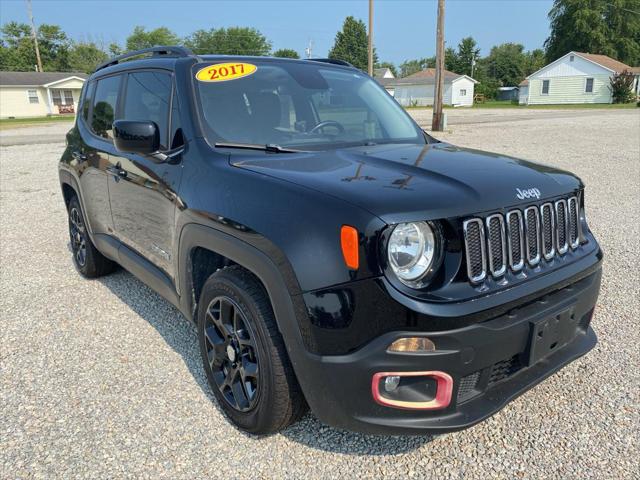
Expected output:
(88, 97)
(589, 86)
(104, 106)
(545, 87)
(33, 96)
(147, 99)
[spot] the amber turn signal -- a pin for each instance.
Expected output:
(349, 243)
(412, 344)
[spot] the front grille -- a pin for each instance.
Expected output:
(520, 237)
(467, 387)
(503, 370)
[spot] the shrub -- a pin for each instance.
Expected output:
(621, 86)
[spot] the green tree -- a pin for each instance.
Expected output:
(468, 55)
(451, 60)
(388, 65)
(505, 64)
(141, 38)
(534, 61)
(608, 27)
(409, 67)
(286, 53)
(621, 86)
(351, 44)
(85, 56)
(229, 41)
(18, 53)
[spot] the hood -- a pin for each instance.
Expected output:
(410, 182)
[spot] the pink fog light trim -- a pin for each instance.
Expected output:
(444, 389)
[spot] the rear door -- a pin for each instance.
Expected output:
(142, 190)
(90, 151)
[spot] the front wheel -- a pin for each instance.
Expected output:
(244, 355)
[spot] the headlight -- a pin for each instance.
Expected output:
(411, 250)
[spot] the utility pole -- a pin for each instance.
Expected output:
(35, 37)
(370, 61)
(437, 124)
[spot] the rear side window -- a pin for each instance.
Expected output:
(104, 106)
(148, 98)
(88, 98)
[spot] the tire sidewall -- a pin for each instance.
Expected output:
(83, 269)
(221, 285)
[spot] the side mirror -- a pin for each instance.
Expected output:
(136, 137)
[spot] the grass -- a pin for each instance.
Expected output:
(577, 106)
(6, 123)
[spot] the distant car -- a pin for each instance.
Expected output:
(331, 253)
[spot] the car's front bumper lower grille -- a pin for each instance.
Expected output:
(498, 242)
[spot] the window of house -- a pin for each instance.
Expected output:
(33, 96)
(62, 97)
(572, 58)
(589, 86)
(463, 92)
(147, 99)
(104, 106)
(545, 87)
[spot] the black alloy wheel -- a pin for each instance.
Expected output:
(232, 353)
(78, 235)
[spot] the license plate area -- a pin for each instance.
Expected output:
(549, 334)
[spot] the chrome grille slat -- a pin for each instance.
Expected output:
(498, 242)
(496, 245)
(532, 235)
(548, 231)
(515, 240)
(562, 227)
(574, 234)
(474, 239)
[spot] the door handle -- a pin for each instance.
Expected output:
(81, 157)
(117, 170)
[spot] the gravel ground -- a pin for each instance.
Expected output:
(103, 379)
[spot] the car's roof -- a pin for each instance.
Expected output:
(168, 62)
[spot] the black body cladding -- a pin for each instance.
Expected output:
(170, 207)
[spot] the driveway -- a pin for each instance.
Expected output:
(102, 379)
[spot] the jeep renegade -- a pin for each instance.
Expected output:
(331, 253)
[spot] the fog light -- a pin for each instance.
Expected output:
(412, 344)
(391, 383)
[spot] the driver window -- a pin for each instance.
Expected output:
(147, 99)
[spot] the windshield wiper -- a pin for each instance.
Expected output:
(269, 147)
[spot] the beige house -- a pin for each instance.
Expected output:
(573, 78)
(37, 94)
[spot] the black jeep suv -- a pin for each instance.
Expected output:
(331, 253)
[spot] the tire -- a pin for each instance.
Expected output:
(86, 257)
(239, 338)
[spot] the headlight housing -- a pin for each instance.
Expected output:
(411, 252)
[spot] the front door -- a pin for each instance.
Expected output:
(142, 190)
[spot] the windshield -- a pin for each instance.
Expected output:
(300, 105)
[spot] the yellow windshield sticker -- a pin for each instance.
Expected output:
(225, 71)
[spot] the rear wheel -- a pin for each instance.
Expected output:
(244, 355)
(86, 257)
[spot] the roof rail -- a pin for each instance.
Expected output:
(331, 60)
(155, 51)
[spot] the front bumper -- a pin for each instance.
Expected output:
(491, 363)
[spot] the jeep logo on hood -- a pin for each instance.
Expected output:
(529, 193)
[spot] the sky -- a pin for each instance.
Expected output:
(403, 29)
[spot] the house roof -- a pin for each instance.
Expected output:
(426, 77)
(604, 61)
(523, 83)
(36, 79)
(635, 70)
(379, 72)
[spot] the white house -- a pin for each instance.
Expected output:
(573, 78)
(36, 94)
(419, 89)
